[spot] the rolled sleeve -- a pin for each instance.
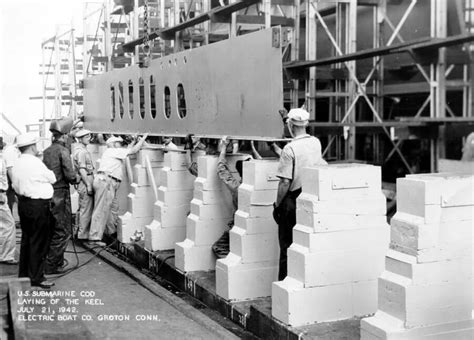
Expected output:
(285, 167)
(226, 176)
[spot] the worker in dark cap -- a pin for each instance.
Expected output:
(58, 159)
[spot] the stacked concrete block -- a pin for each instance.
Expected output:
(211, 210)
(173, 204)
(339, 244)
(140, 194)
(252, 264)
(427, 287)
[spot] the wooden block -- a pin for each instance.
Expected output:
(224, 210)
(249, 196)
(176, 180)
(321, 268)
(158, 238)
(375, 205)
(174, 197)
(254, 225)
(189, 257)
(261, 174)
(253, 248)
(176, 161)
(205, 232)
(342, 181)
(238, 281)
(171, 216)
(337, 222)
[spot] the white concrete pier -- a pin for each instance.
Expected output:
(427, 287)
(339, 245)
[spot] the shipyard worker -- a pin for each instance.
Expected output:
(194, 147)
(33, 184)
(57, 158)
(10, 154)
(106, 184)
(303, 151)
(7, 223)
(85, 169)
(232, 182)
(168, 144)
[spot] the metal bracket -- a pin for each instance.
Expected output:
(346, 184)
(276, 37)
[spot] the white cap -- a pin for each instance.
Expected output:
(82, 133)
(26, 139)
(114, 139)
(299, 117)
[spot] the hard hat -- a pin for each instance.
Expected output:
(299, 117)
(26, 139)
(114, 139)
(62, 125)
(82, 133)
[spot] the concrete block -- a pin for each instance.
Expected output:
(154, 155)
(189, 257)
(425, 195)
(341, 240)
(140, 175)
(176, 180)
(256, 211)
(174, 197)
(209, 196)
(253, 248)
(338, 222)
(428, 273)
(254, 225)
(295, 305)
(383, 326)
(223, 210)
(158, 238)
(419, 305)
(129, 224)
(176, 161)
(261, 174)
(249, 196)
(142, 191)
(140, 206)
(335, 267)
(171, 216)
(409, 231)
(372, 205)
(203, 184)
(205, 232)
(342, 181)
(238, 281)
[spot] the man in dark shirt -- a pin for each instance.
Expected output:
(57, 158)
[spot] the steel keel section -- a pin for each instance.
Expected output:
(233, 87)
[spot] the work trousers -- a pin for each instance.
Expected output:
(84, 214)
(7, 231)
(35, 221)
(105, 214)
(287, 221)
(61, 228)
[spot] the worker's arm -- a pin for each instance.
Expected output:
(255, 153)
(138, 146)
(283, 188)
(67, 167)
(223, 170)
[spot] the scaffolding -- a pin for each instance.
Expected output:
(386, 82)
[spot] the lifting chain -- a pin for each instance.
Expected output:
(146, 41)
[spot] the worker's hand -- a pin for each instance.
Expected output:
(145, 136)
(89, 189)
(276, 213)
(188, 145)
(223, 143)
(283, 113)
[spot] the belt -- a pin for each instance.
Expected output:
(110, 176)
(2, 191)
(24, 198)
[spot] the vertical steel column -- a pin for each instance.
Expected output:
(206, 7)
(135, 32)
(295, 48)
(233, 23)
(350, 31)
(107, 38)
(57, 76)
(43, 127)
(177, 41)
(72, 74)
(85, 63)
(310, 51)
(163, 25)
(379, 13)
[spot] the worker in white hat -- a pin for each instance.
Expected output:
(7, 223)
(57, 157)
(303, 151)
(85, 169)
(106, 184)
(33, 184)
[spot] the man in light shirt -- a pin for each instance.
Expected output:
(7, 223)
(106, 184)
(303, 151)
(33, 184)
